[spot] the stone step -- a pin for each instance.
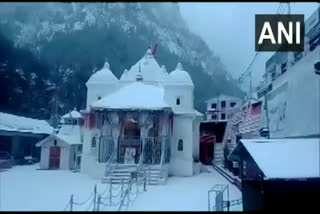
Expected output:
(220, 156)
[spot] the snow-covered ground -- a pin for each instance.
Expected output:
(24, 188)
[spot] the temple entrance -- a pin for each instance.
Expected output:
(130, 143)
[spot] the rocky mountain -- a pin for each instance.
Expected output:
(72, 40)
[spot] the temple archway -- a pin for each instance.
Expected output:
(131, 128)
(130, 143)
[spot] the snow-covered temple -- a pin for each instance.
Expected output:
(147, 119)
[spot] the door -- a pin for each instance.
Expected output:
(54, 159)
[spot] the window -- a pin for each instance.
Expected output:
(223, 104)
(55, 142)
(223, 116)
(178, 101)
(180, 145)
(67, 122)
(214, 117)
(232, 104)
(229, 116)
(214, 105)
(93, 142)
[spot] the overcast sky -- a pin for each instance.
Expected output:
(228, 29)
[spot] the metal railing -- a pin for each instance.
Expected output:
(5, 156)
(112, 196)
(220, 191)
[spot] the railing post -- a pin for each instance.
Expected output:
(98, 205)
(110, 192)
(71, 202)
(149, 172)
(209, 201)
(145, 183)
(95, 197)
(122, 186)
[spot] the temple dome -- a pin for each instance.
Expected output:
(179, 76)
(103, 76)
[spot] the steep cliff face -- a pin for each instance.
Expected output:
(74, 39)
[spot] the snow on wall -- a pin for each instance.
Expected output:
(89, 163)
(184, 93)
(196, 137)
(99, 90)
(181, 163)
(299, 102)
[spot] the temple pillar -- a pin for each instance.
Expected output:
(145, 123)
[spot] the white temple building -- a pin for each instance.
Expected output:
(146, 119)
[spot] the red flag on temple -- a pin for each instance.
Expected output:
(154, 49)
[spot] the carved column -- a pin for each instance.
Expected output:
(145, 123)
(115, 123)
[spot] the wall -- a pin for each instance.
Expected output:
(89, 162)
(45, 155)
(181, 163)
(96, 90)
(196, 138)
(72, 160)
(220, 110)
(298, 100)
(172, 92)
(280, 194)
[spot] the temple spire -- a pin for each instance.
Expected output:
(139, 76)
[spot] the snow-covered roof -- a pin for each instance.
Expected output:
(10, 122)
(124, 75)
(73, 114)
(136, 95)
(103, 76)
(68, 139)
(179, 77)
(148, 67)
(192, 112)
(284, 158)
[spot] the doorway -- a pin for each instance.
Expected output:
(54, 158)
(207, 149)
(129, 149)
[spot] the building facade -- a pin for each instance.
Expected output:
(219, 108)
(146, 118)
(292, 88)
